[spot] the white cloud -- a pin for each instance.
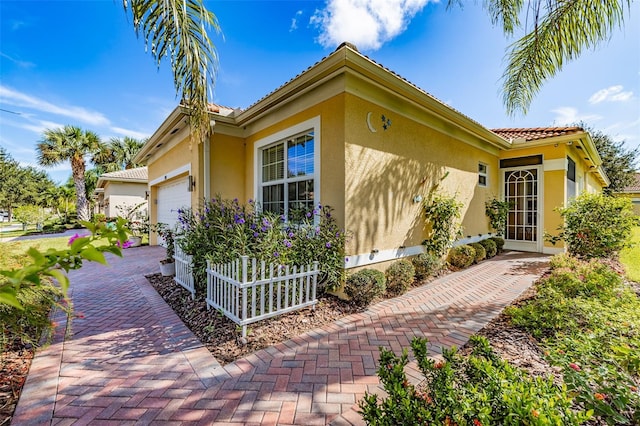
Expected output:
(567, 116)
(130, 133)
(366, 23)
(21, 64)
(27, 122)
(610, 94)
(19, 99)
(294, 21)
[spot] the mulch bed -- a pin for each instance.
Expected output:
(223, 338)
(14, 366)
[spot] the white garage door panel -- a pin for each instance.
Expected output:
(171, 197)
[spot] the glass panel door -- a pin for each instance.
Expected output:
(521, 191)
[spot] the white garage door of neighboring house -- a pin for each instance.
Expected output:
(171, 197)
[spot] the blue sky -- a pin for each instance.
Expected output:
(80, 63)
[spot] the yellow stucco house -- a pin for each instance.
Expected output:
(354, 135)
(120, 191)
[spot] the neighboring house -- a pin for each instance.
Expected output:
(351, 134)
(633, 192)
(119, 192)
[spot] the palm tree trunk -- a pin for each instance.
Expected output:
(82, 205)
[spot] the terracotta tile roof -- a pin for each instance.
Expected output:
(218, 108)
(536, 133)
(139, 173)
(634, 187)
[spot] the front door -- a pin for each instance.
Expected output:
(521, 190)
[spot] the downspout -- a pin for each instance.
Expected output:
(207, 162)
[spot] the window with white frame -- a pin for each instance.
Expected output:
(571, 179)
(288, 176)
(482, 174)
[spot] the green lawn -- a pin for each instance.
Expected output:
(630, 257)
(12, 252)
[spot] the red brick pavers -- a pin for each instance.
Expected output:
(130, 360)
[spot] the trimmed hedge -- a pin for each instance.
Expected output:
(400, 276)
(481, 252)
(490, 246)
(499, 243)
(462, 256)
(365, 285)
(426, 264)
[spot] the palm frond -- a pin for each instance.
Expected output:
(561, 35)
(178, 30)
(506, 13)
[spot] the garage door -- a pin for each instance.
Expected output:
(172, 196)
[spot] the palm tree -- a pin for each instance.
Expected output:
(70, 143)
(178, 29)
(118, 154)
(560, 31)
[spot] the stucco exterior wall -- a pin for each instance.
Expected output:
(228, 172)
(125, 195)
(592, 184)
(331, 113)
(385, 170)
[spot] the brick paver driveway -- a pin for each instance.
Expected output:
(128, 359)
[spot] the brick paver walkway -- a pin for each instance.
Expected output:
(130, 360)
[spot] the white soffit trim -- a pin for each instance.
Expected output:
(556, 164)
(173, 173)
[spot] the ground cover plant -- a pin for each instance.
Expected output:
(479, 389)
(586, 319)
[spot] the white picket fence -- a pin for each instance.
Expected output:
(249, 291)
(184, 270)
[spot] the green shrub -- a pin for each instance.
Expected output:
(479, 389)
(587, 323)
(490, 247)
(461, 256)
(481, 253)
(400, 276)
(499, 243)
(364, 286)
(595, 225)
(28, 325)
(426, 265)
(443, 216)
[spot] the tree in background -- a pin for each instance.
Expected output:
(21, 185)
(558, 31)
(618, 162)
(118, 154)
(70, 143)
(10, 185)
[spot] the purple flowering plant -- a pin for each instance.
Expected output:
(222, 230)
